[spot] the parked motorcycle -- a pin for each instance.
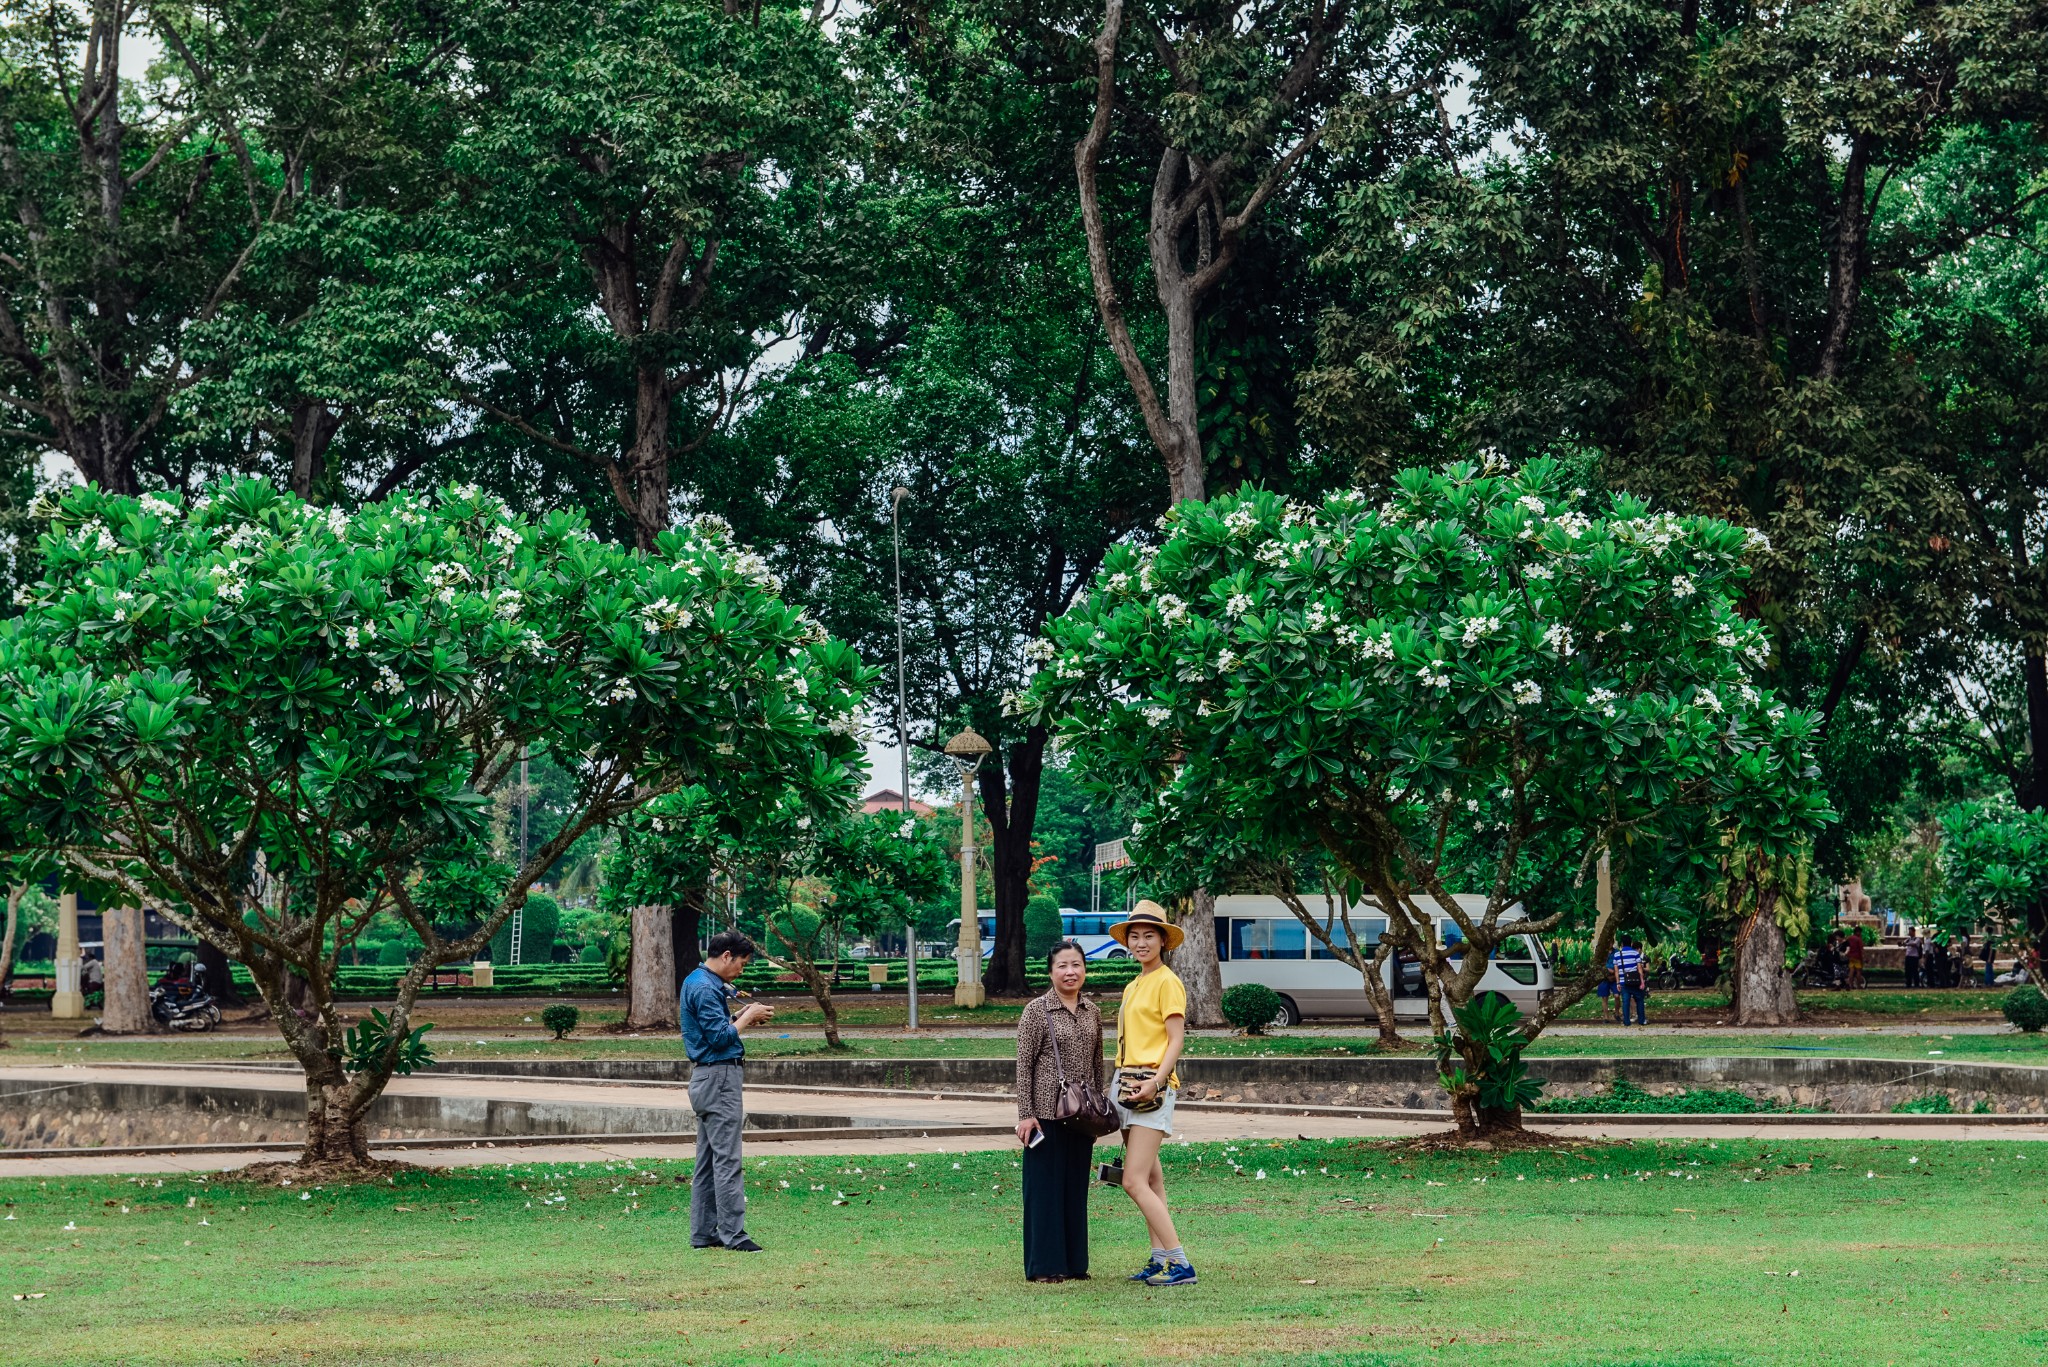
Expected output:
(1822, 969)
(1680, 974)
(184, 1003)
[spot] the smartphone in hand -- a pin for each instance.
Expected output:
(1037, 1138)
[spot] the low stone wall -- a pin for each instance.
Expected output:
(37, 1114)
(91, 1128)
(98, 1115)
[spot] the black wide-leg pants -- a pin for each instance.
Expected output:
(1056, 1202)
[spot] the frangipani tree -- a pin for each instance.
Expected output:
(659, 874)
(268, 718)
(1421, 691)
(864, 872)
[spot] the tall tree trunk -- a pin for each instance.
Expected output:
(1195, 961)
(313, 429)
(127, 992)
(1845, 258)
(1009, 797)
(651, 999)
(1764, 994)
(220, 975)
(14, 895)
(1186, 474)
(685, 926)
(643, 483)
(2033, 783)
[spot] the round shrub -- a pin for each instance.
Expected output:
(560, 1019)
(1042, 928)
(392, 954)
(1251, 1007)
(591, 954)
(2026, 1007)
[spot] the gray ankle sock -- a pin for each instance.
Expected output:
(1176, 1254)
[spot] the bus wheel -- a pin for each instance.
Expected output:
(1288, 1014)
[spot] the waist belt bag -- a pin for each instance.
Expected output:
(1078, 1103)
(1128, 1092)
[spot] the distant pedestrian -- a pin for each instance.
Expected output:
(1856, 958)
(1059, 1040)
(711, 1037)
(1151, 1031)
(1610, 999)
(1987, 954)
(1935, 965)
(1630, 980)
(1914, 948)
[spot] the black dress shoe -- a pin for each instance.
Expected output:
(746, 1246)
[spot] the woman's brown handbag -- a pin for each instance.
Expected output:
(1078, 1103)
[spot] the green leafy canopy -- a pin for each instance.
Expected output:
(271, 718)
(1475, 656)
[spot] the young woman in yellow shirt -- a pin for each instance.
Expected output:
(1151, 1029)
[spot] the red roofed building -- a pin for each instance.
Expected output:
(889, 800)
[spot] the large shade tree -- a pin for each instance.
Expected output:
(644, 186)
(270, 720)
(861, 873)
(1426, 693)
(170, 173)
(982, 387)
(1228, 114)
(1676, 241)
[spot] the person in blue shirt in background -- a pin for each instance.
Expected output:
(711, 1037)
(1629, 980)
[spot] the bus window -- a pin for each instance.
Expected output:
(1517, 959)
(1370, 927)
(1263, 939)
(1515, 950)
(1453, 938)
(988, 927)
(1080, 924)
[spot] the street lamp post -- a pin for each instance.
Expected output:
(967, 750)
(896, 498)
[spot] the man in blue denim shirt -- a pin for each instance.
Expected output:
(711, 1037)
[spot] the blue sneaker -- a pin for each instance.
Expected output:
(1173, 1274)
(1152, 1268)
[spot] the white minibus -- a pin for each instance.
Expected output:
(1089, 931)
(1260, 941)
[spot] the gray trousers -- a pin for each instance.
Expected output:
(718, 1197)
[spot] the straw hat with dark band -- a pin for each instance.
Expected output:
(1148, 913)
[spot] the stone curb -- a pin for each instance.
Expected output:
(535, 1141)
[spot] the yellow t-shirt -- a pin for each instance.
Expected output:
(1141, 1037)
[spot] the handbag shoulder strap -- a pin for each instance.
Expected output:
(1052, 1033)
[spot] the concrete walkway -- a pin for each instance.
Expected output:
(905, 1111)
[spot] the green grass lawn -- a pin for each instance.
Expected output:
(2007, 1047)
(1343, 1255)
(1871, 1001)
